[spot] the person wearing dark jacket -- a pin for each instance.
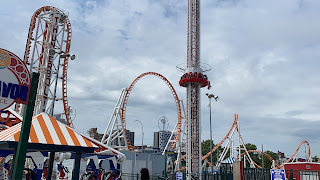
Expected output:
(145, 174)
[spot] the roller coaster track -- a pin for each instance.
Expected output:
(36, 31)
(126, 98)
(296, 152)
(265, 154)
(270, 158)
(222, 141)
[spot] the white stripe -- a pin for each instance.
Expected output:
(91, 140)
(7, 132)
(4, 134)
(7, 135)
(81, 140)
(52, 130)
(66, 134)
(38, 130)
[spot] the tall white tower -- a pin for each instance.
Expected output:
(193, 79)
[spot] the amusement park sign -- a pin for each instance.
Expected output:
(14, 80)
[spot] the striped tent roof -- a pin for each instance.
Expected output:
(47, 130)
(229, 160)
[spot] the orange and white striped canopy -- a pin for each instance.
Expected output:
(47, 130)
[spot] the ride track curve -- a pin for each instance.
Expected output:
(222, 141)
(265, 154)
(271, 159)
(295, 153)
(33, 39)
(278, 166)
(126, 98)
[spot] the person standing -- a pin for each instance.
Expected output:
(144, 174)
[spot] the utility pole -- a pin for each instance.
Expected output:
(216, 98)
(262, 157)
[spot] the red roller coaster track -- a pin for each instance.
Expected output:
(265, 154)
(309, 154)
(226, 136)
(277, 166)
(126, 98)
(31, 37)
(221, 142)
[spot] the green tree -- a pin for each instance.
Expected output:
(205, 148)
(315, 159)
(254, 156)
(250, 146)
(266, 162)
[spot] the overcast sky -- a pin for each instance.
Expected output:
(264, 57)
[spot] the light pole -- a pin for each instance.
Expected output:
(142, 132)
(216, 98)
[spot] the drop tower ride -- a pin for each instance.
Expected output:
(193, 79)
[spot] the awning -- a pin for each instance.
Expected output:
(46, 130)
(229, 160)
(46, 133)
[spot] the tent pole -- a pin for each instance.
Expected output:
(20, 157)
(76, 169)
(50, 165)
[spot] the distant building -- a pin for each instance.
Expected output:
(93, 133)
(147, 150)
(122, 143)
(281, 158)
(280, 155)
(160, 139)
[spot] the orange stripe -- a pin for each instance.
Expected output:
(33, 136)
(58, 131)
(16, 136)
(73, 137)
(45, 130)
(89, 144)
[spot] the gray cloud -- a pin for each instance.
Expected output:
(264, 57)
(294, 112)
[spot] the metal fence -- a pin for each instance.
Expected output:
(256, 174)
(264, 174)
(210, 176)
(226, 173)
(125, 176)
(204, 176)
